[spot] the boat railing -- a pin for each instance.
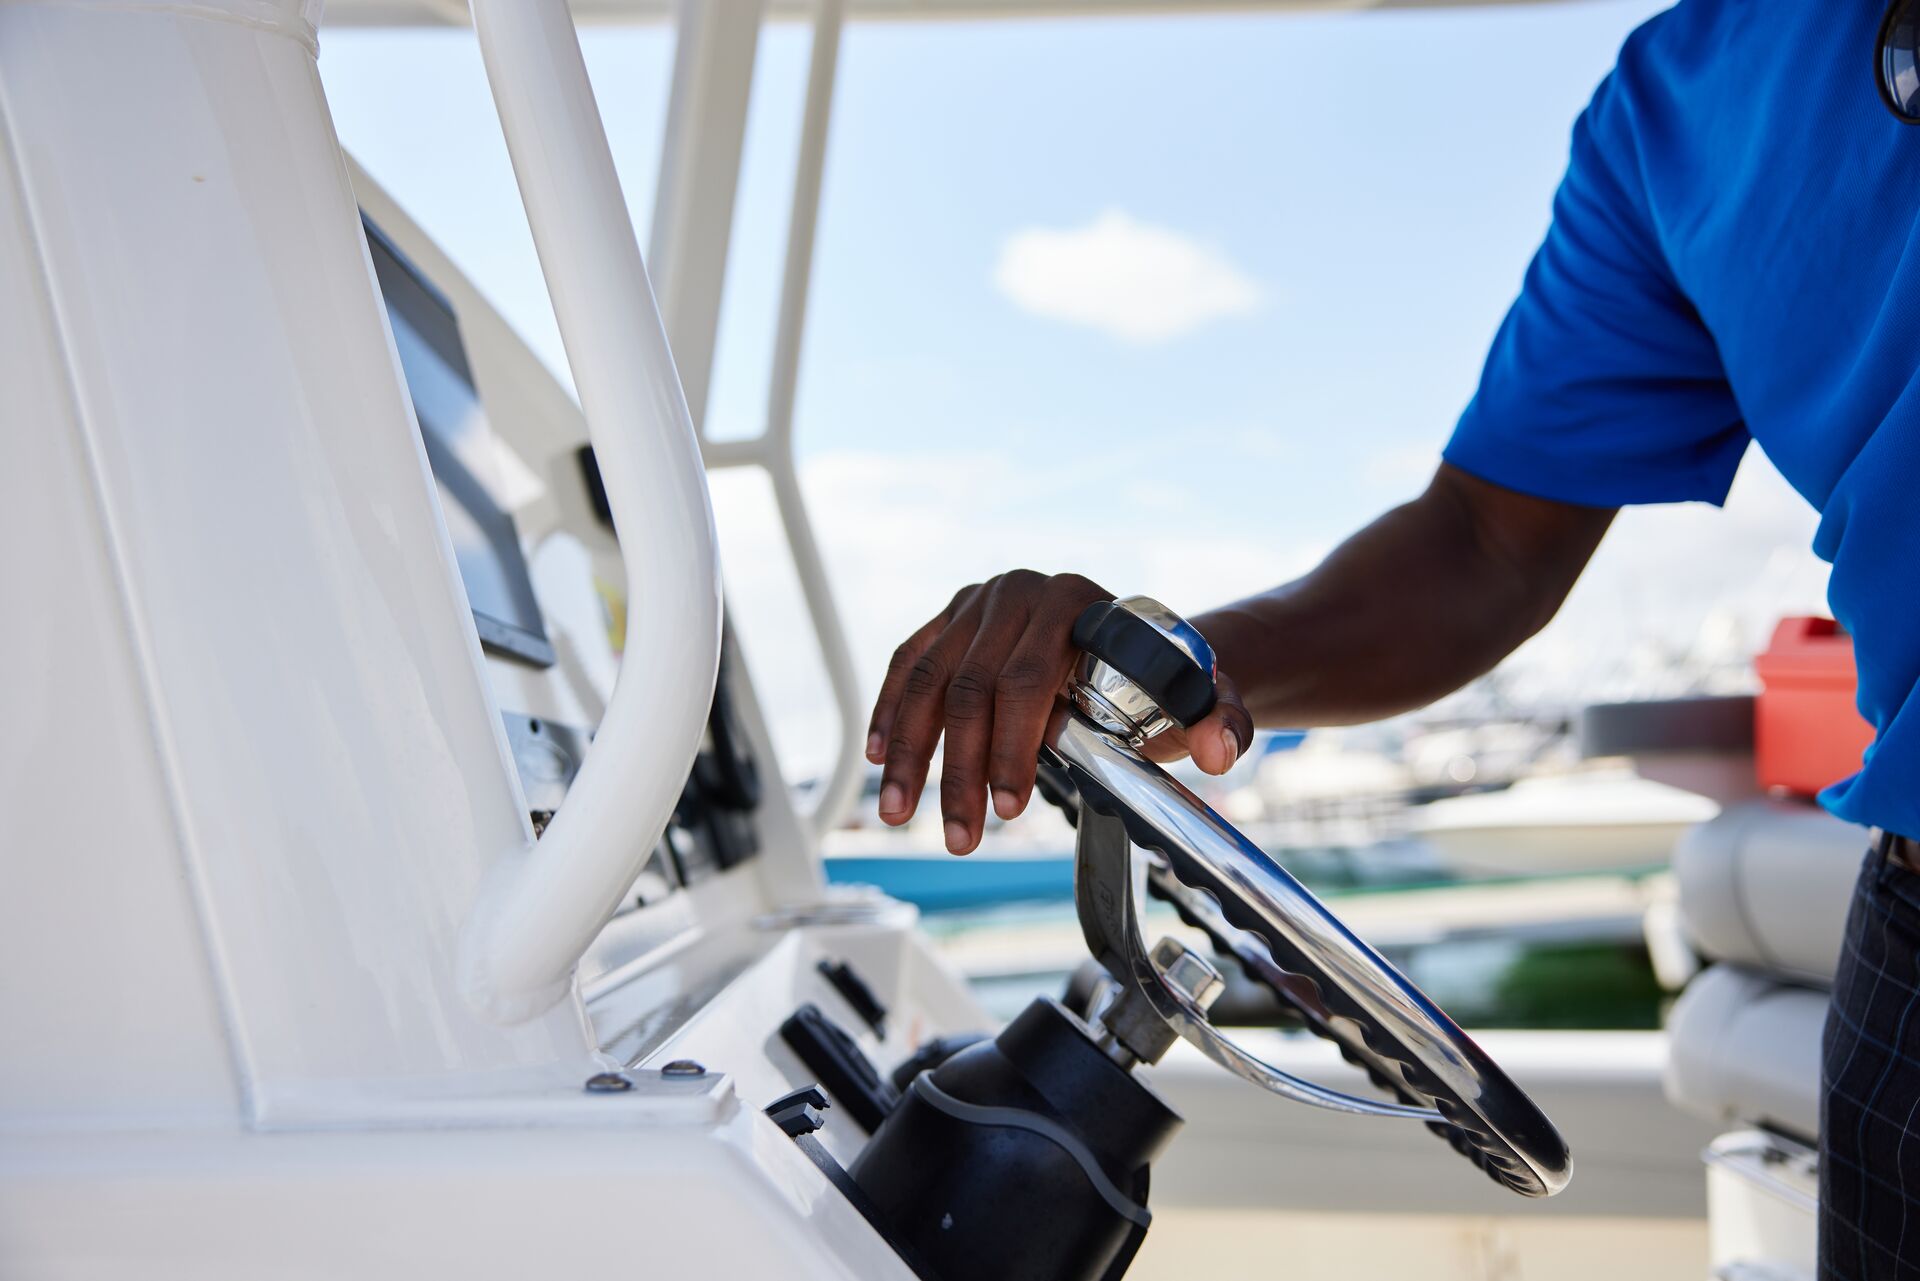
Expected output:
(772, 450)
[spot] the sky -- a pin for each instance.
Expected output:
(1176, 302)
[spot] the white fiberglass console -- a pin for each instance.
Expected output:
(400, 881)
(290, 986)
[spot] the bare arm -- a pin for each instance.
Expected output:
(1427, 597)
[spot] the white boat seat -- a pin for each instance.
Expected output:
(1744, 1048)
(1766, 885)
(1764, 890)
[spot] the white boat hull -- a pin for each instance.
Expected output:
(1582, 822)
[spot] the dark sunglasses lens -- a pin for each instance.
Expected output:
(1900, 59)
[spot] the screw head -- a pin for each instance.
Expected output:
(608, 1083)
(1187, 972)
(684, 1067)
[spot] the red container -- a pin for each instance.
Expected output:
(1807, 732)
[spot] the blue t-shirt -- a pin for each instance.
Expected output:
(1735, 256)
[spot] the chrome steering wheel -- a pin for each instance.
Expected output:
(1143, 668)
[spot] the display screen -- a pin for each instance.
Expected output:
(476, 472)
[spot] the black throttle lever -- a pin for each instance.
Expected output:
(1160, 656)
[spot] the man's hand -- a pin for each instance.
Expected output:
(988, 672)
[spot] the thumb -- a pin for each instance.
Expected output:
(1218, 740)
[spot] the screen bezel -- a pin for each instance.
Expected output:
(409, 295)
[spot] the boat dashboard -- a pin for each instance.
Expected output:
(543, 592)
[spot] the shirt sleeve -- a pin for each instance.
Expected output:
(1603, 386)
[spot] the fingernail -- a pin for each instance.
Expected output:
(1005, 803)
(875, 744)
(893, 798)
(956, 836)
(1232, 742)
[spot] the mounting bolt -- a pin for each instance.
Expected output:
(1188, 972)
(1132, 1030)
(608, 1083)
(683, 1067)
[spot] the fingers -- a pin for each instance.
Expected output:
(985, 674)
(1217, 741)
(1024, 693)
(971, 715)
(1023, 697)
(918, 716)
(887, 705)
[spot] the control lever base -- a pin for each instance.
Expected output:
(1024, 1157)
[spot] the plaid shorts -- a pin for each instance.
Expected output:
(1870, 1078)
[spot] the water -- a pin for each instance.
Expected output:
(1560, 969)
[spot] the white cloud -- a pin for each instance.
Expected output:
(1137, 282)
(901, 533)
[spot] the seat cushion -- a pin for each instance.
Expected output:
(1767, 884)
(1744, 1047)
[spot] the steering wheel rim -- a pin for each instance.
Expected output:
(1406, 1040)
(1110, 920)
(1201, 911)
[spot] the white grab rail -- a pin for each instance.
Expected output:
(537, 916)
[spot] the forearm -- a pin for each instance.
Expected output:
(1423, 600)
